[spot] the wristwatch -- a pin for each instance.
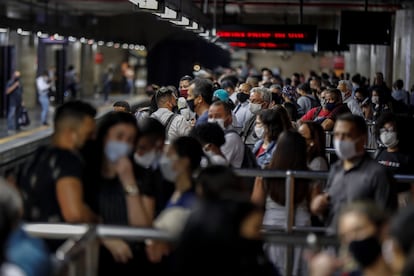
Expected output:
(131, 190)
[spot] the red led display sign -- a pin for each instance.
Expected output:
(305, 34)
(262, 45)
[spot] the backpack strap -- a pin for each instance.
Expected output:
(316, 113)
(169, 122)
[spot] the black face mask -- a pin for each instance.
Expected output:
(242, 97)
(190, 104)
(366, 251)
(175, 109)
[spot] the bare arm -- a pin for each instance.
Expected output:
(258, 195)
(328, 124)
(12, 87)
(69, 194)
(137, 215)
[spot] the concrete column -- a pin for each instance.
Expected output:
(381, 61)
(363, 60)
(403, 63)
(87, 71)
(351, 60)
(26, 63)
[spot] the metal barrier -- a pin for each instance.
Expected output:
(80, 250)
(371, 142)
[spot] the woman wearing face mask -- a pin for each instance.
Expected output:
(361, 231)
(269, 124)
(119, 196)
(179, 164)
(379, 104)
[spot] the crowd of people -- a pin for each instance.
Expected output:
(170, 166)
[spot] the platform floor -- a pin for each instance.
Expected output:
(34, 115)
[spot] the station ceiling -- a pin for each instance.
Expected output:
(119, 19)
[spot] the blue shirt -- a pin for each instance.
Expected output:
(28, 253)
(203, 119)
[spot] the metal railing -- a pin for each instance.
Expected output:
(78, 256)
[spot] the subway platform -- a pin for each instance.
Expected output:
(36, 125)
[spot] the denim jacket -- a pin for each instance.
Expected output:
(264, 158)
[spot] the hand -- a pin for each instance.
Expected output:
(323, 264)
(156, 250)
(123, 168)
(119, 249)
(320, 203)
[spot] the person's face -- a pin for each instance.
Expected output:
(306, 133)
(146, 144)
(359, 97)
(17, 74)
(184, 84)
(266, 75)
(121, 133)
(179, 164)
(314, 84)
(218, 112)
(342, 88)
(244, 89)
(375, 93)
(256, 98)
(353, 226)
(86, 131)
(345, 131)
(329, 98)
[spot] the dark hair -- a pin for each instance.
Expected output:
(73, 110)
(399, 84)
(305, 87)
(152, 128)
(209, 133)
(402, 228)
(220, 182)
(274, 122)
(291, 110)
(225, 105)
(163, 92)
(227, 84)
(189, 147)
(203, 87)
(318, 136)
(123, 104)
(186, 78)
(386, 117)
(356, 78)
(357, 121)
(290, 154)
(337, 95)
(229, 80)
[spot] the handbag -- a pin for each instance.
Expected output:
(23, 118)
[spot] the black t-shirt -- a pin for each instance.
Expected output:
(39, 178)
(395, 162)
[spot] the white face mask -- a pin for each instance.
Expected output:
(345, 150)
(147, 159)
(389, 138)
(115, 150)
(375, 99)
(255, 108)
(259, 132)
(218, 121)
(166, 168)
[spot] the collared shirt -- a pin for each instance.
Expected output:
(242, 114)
(367, 180)
(179, 125)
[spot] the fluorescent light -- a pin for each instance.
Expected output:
(72, 39)
(22, 32)
(168, 13)
(109, 44)
(101, 43)
(183, 22)
(125, 46)
(131, 46)
(194, 26)
(82, 40)
(58, 37)
(42, 35)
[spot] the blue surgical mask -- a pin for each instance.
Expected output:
(115, 150)
(330, 106)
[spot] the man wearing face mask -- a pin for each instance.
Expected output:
(200, 96)
(184, 84)
(392, 154)
(176, 125)
(356, 176)
(148, 151)
(241, 111)
(260, 99)
(233, 148)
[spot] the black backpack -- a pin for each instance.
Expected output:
(249, 159)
